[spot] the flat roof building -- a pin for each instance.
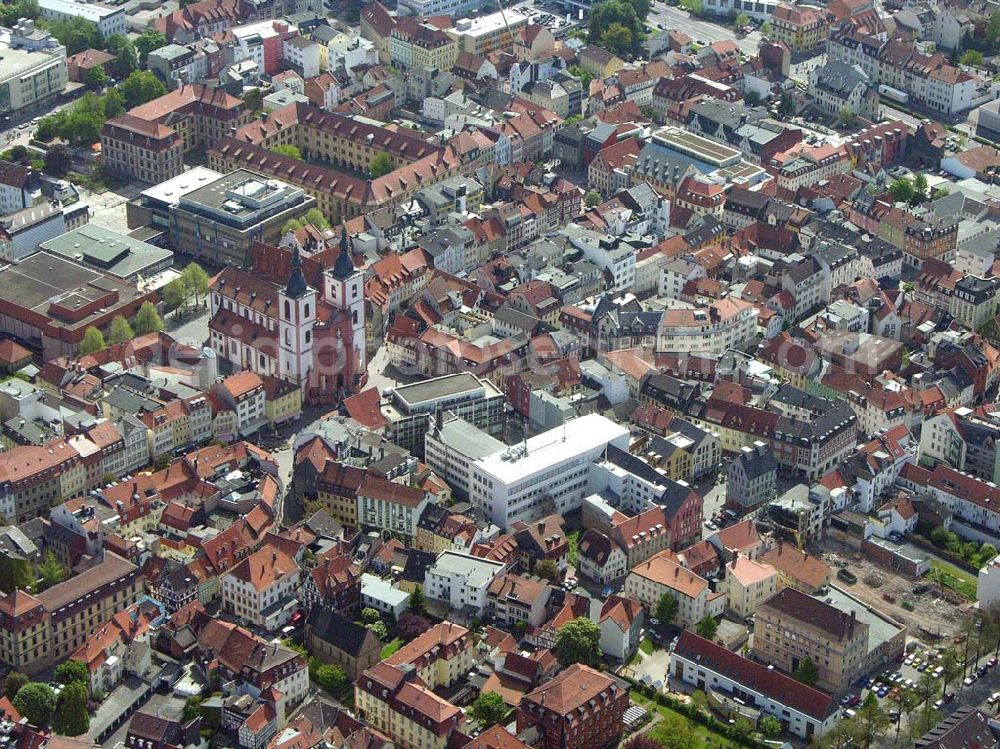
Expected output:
(50, 301)
(107, 20)
(484, 34)
(108, 251)
(452, 446)
(545, 474)
(33, 69)
(220, 220)
(409, 409)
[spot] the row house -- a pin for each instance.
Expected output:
(973, 502)
(929, 80)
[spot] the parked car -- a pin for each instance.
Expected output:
(969, 680)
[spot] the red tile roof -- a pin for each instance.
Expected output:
(750, 675)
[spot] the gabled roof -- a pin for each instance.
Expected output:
(754, 676)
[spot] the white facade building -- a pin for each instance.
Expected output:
(802, 710)
(108, 20)
(547, 473)
(988, 585)
(461, 580)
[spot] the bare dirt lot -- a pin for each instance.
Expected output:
(936, 612)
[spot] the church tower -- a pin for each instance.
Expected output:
(345, 291)
(296, 320)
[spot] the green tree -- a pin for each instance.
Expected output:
(951, 668)
(617, 39)
(972, 58)
(149, 40)
(807, 673)
(579, 642)
(489, 709)
(548, 570)
(192, 708)
(700, 700)
(10, 13)
(592, 198)
(148, 320)
(97, 77)
(871, 721)
(707, 627)
(583, 75)
(610, 13)
(175, 294)
(381, 631)
(920, 185)
(288, 150)
(417, 600)
(36, 702)
(741, 20)
(76, 34)
(675, 732)
(315, 217)
(13, 683)
(114, 103)
(293, 224)
(72, 718)
(786, 104)
(765, 29)
(68, 672)
(120, 331)
(254, 99)
(751, 98)
(694, 7)
(331, 677)
(380, 164)
(58, 160)
(196, 281)
(902, 190)
(846, 117)
(160, 462)
(126, 60)
(905, 701)
(93, 340)
(770, 726)
(993, 31)
(140, 87)
(370, 615)
(666, 609)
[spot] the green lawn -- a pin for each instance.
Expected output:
(707, 738)
(952, 577)
(647, 646)
(390, 648)
(573, 538)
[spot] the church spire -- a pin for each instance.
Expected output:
(297, 285)
(344, 266)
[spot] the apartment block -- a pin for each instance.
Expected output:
(793, 626)
(39, 631)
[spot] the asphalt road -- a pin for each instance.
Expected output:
(674, 18)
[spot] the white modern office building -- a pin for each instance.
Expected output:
(545, 474)
(108, 20)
